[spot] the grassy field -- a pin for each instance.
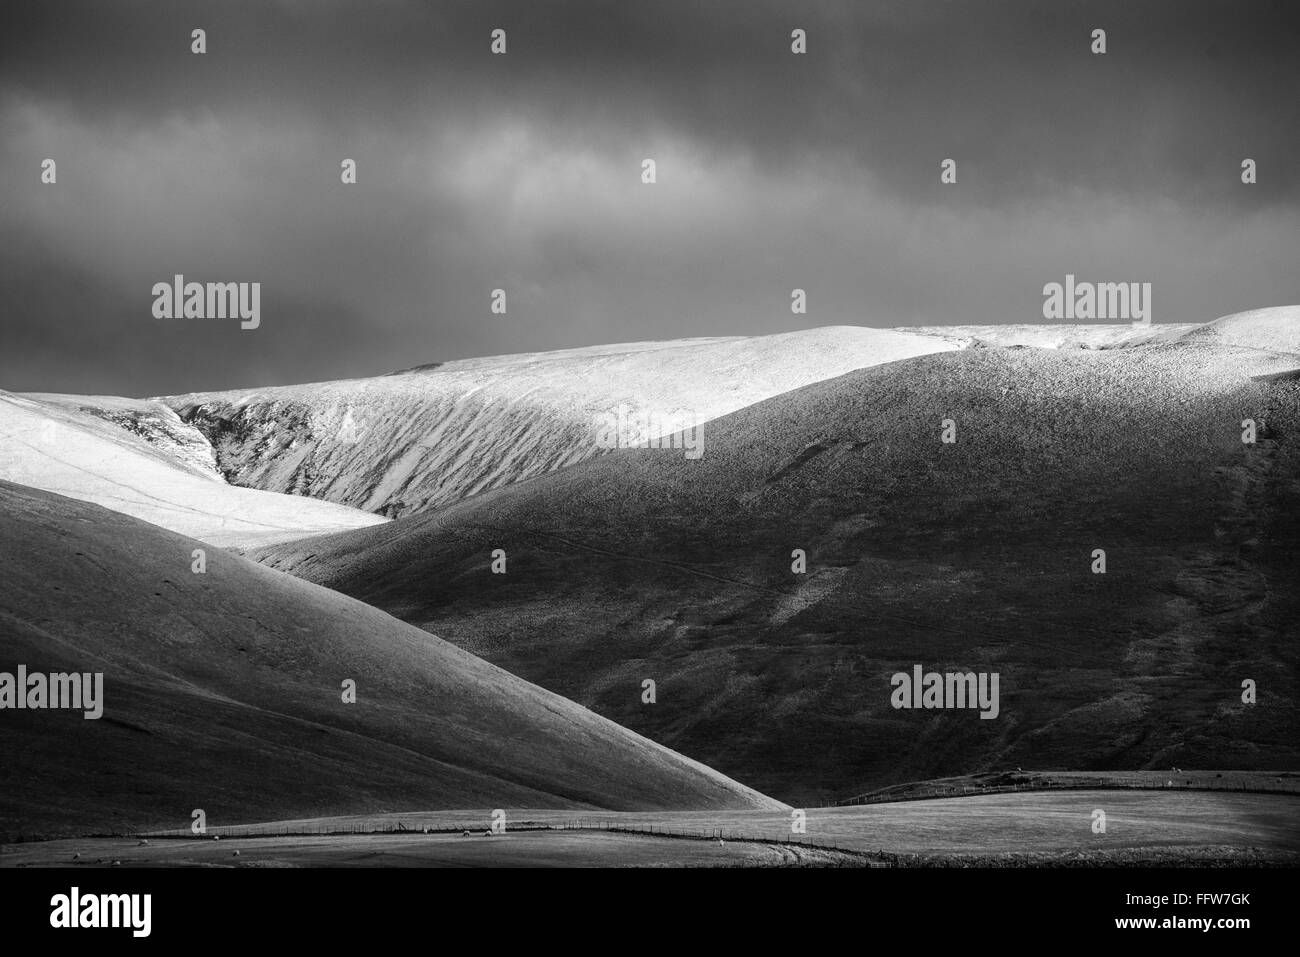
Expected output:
(1043, 828)
(518, 849)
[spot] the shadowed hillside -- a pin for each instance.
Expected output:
(222, 691)
(969, 556)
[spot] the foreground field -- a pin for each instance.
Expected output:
(518, 849)
(1024, 828)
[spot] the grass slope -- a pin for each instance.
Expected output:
(222, 692)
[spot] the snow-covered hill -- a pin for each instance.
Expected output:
(1276, 329)
(139, 458)
(1059, 335)
(436, 434)
(433, 435)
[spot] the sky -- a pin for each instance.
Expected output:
(523, 172)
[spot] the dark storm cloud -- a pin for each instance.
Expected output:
(1013, 85)
(521, 171)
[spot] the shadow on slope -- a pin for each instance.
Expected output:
(223, 692)
(969, 556)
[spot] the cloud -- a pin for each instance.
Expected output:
(522, 172)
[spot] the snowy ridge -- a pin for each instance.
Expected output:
(413, 441)
(138, 458)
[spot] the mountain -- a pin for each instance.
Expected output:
(424, 438)
(977, 555)
(222, 692)
(417, 440)
(137, 457)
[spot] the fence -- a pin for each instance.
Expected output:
(477, 827)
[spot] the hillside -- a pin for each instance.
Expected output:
(1276, 329)
(416, 440)
(137, 457)
(432, 435)
(222, 691)
(968, 556)
(1058, 335)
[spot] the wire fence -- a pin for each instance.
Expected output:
(478, 827)
(721, 835)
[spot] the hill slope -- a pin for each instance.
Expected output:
(429, 436)
(1058, 335)
(222, 691)
(424, 438)
(1276, 329)
(969, 556)
(137, 457)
